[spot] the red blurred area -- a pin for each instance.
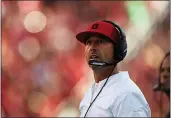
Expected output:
(45, 84)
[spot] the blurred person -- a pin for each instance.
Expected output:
(163, 84)
(113, 94)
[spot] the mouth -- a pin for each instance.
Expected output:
(94, 56)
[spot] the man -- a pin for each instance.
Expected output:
(113, 94)
(164, 78)
(165, 75)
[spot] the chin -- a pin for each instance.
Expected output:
(94, 67)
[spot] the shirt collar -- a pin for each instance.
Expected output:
(115, 78)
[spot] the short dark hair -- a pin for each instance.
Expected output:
(159, 70)
(166, 55)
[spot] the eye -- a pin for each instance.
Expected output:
(88, 42)
(100, 41)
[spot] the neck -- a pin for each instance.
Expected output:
(104, 72)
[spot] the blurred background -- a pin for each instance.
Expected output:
(44, 72)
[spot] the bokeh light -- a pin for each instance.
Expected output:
(69, 112)
(158, 5)
(36, 101)
(150, 58)
(29, 48)
(62, 39)
(51, 85)
(35, 21)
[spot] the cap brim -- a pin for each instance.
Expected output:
(83, 36)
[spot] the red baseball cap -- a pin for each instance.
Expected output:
(99, 28)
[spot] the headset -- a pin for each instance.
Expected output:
(120, 50)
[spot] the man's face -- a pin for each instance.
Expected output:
(165, 73)
(99, 49)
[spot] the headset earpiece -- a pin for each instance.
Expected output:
(120, 49)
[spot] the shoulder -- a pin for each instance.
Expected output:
(127, 95)
(122, 84)
(131, 104)
(132, 97)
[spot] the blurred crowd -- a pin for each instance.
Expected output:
(43, 69)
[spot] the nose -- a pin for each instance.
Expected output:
(93, 50)
(92, 47)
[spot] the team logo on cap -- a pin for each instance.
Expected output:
(94, 26)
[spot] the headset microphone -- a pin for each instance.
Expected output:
(157, 87)
(97, 63)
